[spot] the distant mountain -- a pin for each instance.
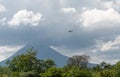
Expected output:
(43, 52)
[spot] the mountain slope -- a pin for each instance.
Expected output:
(43, 52)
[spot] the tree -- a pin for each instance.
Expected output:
(28, 62)
(28, 74)
(77, 72)
(15, 74)
(97, 68)
(4, 71)
(49, 63)
(80, 61)
(105, 65)
(52, 72)
(108, 73)
(24, 62)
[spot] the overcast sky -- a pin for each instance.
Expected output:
(95, 25)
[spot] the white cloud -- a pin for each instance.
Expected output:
(25, 17)
(98, 59)
(7, 51)
(110, 4)
(91, 18)
(68, 10)
(109, 45)
(106, 51)
(3, 21)
(2, 8)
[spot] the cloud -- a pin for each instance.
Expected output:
(92, 18)
(110, 4)
(109, 45)
(2, 8)
(7, 51)
(68, 10)
(3, 21)
(100, 51)
(25, 17)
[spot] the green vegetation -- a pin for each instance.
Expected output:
(28, 65)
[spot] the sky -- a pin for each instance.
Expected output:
(95, 27)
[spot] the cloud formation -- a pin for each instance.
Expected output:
(2, 8)
(10, 50)
(68, 10)
(3, 21)
(110, 4)
(92, 18)
(110, 45)
(25, 17)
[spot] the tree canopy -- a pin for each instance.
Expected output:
(80, 61)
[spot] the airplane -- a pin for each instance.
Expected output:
(70, 31)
